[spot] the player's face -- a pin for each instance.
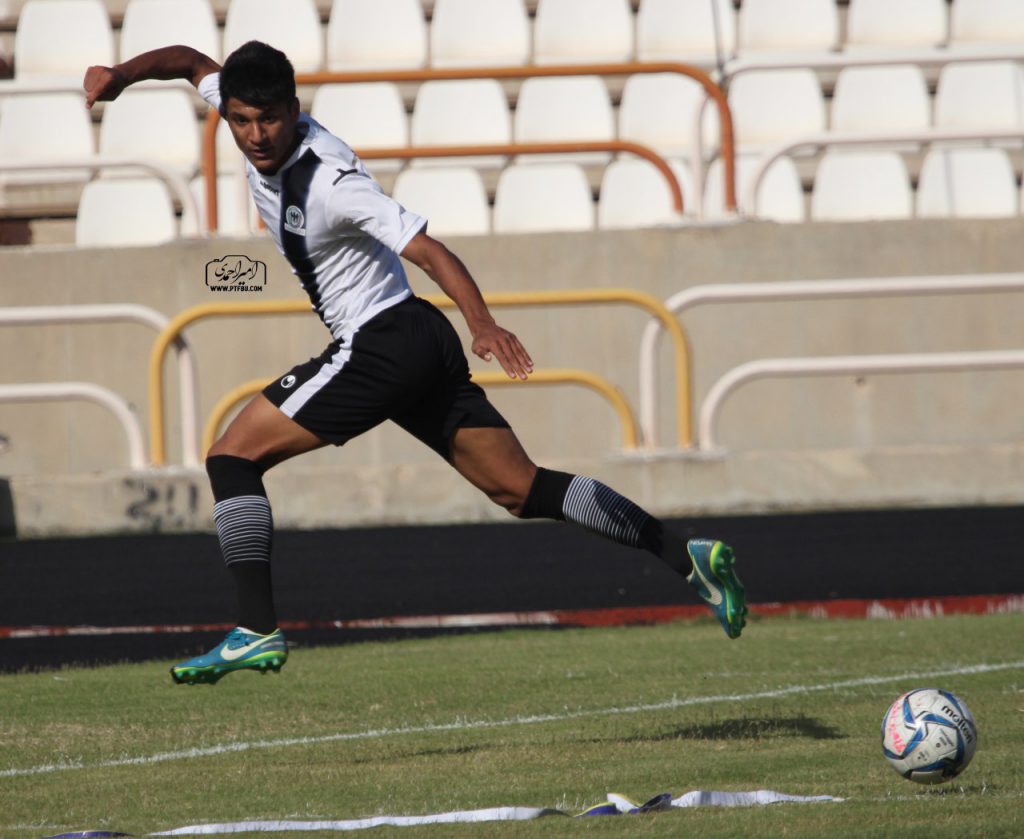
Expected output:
(265, 134)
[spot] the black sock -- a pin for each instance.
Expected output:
(245, 527)
(600, 509)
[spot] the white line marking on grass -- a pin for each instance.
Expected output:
(477, 725)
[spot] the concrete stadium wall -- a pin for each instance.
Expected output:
(558, 424)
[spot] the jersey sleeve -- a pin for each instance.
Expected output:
(358, 202)
(209, 89)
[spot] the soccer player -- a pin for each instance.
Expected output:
(393, 356)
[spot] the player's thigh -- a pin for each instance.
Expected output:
(262, 433)
(494, 461)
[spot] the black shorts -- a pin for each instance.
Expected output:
(406, 365)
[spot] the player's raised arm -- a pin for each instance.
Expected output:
(102, 84)
(489, 339)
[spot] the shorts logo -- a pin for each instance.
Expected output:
(294, 221)
(288, 381)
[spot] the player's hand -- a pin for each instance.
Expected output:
(492, 341)
(103, 84)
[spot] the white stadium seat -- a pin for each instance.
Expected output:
(788, 25)
(45, 126)
(770, 106)
(367, 116)
(694, 31)
(236, 212)
(57, 39)
(861, 185)
(635, 194)
(979, 95)
(292, 27)
(883, 24)
(660, 110)
(564, 109)
(461, 112)
(967, 183)
(546, 197)
(474, 33)
(135, 211)
(153, 124)
(781, 197)
(149, 24)
(452, 199)
(976, 23)
(377, 35)
(877, 99)
(582, 31)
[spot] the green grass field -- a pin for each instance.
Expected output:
(527, 718)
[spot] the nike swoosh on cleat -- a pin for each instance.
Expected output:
(238, 652)
(714, 595)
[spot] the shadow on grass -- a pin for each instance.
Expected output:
(746, 728)
(406, 754)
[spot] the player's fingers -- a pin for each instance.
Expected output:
(521, 355)
(513, 361)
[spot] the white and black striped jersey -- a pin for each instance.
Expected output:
(335, 225)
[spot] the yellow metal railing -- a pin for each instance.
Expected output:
(553, 376)
(158, 449)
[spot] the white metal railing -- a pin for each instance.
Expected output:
(112, 312)
(789, 291)
(840, 365)
(828, 139)
(174, 181)
(60, 391)
(839, 60)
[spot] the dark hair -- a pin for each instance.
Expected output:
(257, 74)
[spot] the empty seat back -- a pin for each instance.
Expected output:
(582, 31)
(452, 199)
(58, 39)
(474, 33)
(861, 185)
(292, 27)
(377, 35)
(545, 197)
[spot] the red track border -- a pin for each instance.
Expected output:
(888, 608)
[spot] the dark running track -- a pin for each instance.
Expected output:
(331, 575)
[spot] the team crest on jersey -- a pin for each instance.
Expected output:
(294, 221)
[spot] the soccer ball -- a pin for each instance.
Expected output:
(928, 736)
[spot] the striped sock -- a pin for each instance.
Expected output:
(599, 508)
(245, 527)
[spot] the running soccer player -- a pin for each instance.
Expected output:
(393, 356)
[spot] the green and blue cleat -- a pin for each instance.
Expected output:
(240, 650)
(716, 582)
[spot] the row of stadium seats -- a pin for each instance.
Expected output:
(57, 38)
(849, 186)
(657, 110)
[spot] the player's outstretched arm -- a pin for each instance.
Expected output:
(489, 339)
(102, 84)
